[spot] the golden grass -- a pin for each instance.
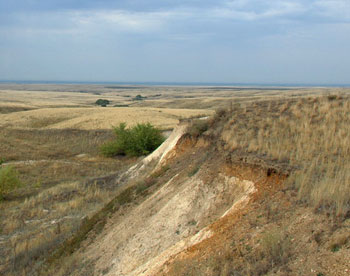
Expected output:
(41, 95)
(38, 99)
(312, 134)
(96, 117)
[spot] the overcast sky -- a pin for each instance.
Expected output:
(242, 41)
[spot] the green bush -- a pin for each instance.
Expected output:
(138, 98)
(8, 181)
(102, 102)
(139, 140)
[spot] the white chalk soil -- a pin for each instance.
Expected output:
(140, 240)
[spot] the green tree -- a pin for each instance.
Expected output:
(102, 102)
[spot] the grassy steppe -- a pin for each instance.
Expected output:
(53, 138)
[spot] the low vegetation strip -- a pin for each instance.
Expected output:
(8, 180)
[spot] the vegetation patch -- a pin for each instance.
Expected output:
(197, 127)
(8, 181)
(193, 171)
(102, 102)
(10, 109)
(139, 140)
(138, 98)
(121, 105)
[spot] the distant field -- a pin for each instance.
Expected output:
(74, 107)
(43, 96)
(96, 117)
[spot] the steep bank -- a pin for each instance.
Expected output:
(197, 187)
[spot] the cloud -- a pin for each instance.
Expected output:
(128, 21)
(180, 40)
(159, 16)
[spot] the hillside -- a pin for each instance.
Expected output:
(259, 189)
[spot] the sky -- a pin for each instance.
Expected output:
(222, 41)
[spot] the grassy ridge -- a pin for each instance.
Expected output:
(312, 134)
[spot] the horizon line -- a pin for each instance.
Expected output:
(179, 83)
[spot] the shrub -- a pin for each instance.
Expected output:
(138, 98)
(102, 102)
(8, 181)
(332, 97)
(197, 127)
(276, 247)
(139, 140)
(194, 171)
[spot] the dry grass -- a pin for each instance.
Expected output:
(21, 144)
(50, 207)
(96, 117)
(47, 157)
(135, 191)
(32, 228)
(44, 95)
(311, 134)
